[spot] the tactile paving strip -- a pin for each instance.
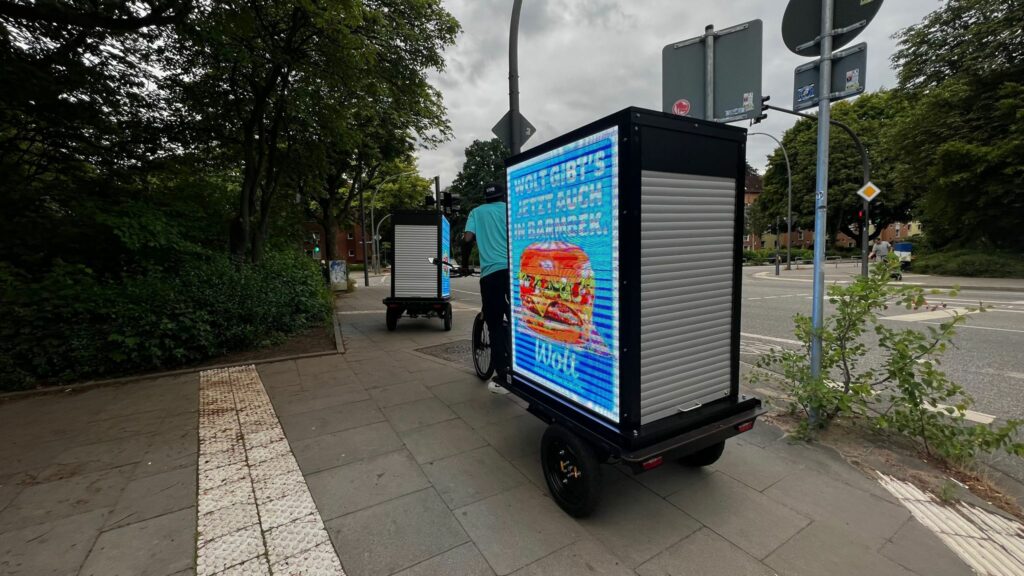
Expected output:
(989, 543)
(255, 513)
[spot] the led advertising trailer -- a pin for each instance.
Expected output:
(563, 236)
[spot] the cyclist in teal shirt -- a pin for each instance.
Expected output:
(487, 226)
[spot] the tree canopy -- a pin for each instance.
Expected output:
(485, 163)
(958, 141)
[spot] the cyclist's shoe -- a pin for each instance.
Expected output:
(496, 388)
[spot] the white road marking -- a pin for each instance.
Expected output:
(772, 339)
(477, 294)
(989, 543)
(942, 313)
(255, 512)
(970, 327)
(1017, 375)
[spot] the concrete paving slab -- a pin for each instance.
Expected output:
(634, 523)
(470, 476)
(307, 400)
(395, 535)
(827, 462)
(529, 466)
(96, 457)
(870, 519)
(155, 547)
(362, 484)
(517, 527)
(154, 496)
(168, 451)
(461, 390)
(463, 560)
(744, 516)
(704, 553)
(64, 498)
(399, 394)
(918, 549)
(320, 364)
(12, 484)
(671, 477)
(584, 557)
(404, 417)
(488, 410)
(315, 423)
(53, 548)
(752, 466)
(824, 549)
(340, 448)
(517, 437)
(429, 443)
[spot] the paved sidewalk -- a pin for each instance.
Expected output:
(846, 271)
(415, 469)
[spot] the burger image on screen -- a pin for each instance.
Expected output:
(556, 289)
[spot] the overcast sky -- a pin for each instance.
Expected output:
(580, 60)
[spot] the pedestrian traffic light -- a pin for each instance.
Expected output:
(429, 202)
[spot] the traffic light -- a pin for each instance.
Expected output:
(764, 113)
(446, 202)
(429, 202)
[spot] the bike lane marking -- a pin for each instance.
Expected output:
(255, 512)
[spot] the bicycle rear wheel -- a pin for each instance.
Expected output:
(482, 348)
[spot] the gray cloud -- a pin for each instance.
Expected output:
(582, 59)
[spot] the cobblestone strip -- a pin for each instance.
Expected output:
(989, 543)
(256, 515)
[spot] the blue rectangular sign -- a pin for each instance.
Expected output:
(563, 248)
(446, 243)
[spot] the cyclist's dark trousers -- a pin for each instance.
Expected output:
(493, 290)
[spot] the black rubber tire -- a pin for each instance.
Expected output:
(481, 361)
(393, 314)
(705, 456)
(448, 318)
(579, 498)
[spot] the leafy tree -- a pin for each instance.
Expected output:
(958, 141)
(868, 117)
(485, 163)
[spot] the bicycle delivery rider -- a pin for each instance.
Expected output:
(487, 227)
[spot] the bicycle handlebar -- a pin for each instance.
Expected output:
(439, 262)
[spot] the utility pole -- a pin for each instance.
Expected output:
(789, 197)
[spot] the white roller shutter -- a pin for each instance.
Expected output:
(688, 226)
(415, 276)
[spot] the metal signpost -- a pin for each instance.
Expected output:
(514, 129)
(838, 22)
(716, 76)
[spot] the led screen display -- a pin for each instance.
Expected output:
(446, 242)
(563, 249)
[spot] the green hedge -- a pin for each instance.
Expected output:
(970, 262)
(72, 325)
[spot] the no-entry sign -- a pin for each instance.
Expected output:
(681, 107)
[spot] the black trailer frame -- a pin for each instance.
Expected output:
(656, 141)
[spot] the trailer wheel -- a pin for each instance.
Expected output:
(447, 317)
(393, 314)
(571, 470)
(705, 456)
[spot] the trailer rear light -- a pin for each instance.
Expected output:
(745, 426)
(653, 463)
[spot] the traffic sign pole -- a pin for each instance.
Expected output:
(709, 72)
(821, 188)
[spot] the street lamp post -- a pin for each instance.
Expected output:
(789, 201)
(513, 79)
(865, 162)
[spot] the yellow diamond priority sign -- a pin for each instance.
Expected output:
(869, 192)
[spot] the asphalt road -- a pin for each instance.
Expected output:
(988, 354)
(987, 360)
